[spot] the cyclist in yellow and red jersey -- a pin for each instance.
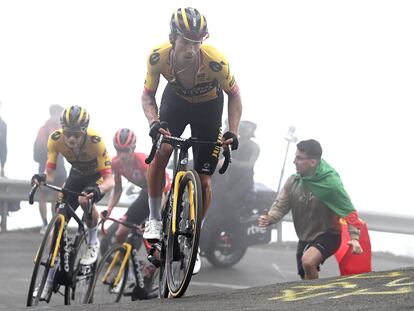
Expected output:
(197, 74)
(91, 170)
(91, 173)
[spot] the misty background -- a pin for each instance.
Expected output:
(340, 72)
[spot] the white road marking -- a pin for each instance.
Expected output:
(276, 267)
(219, 285)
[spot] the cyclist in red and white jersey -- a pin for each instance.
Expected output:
(131, 165)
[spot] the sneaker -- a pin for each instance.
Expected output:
(91, 255)
(197, 264)
(43, 229)
(153, 230)
(47, 291)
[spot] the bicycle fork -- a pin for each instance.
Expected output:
(118, 277)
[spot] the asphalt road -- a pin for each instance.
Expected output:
(259, 282)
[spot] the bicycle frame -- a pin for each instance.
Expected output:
(130, 253)
(65, 211)
(128, 248)
(180, 149)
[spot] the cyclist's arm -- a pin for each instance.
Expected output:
(104, 165)
(152, 79)
(234, 111)
(107, 184)
(52, 156)
(50, 175)
(149, 106)
(116, 194)
(225, 77)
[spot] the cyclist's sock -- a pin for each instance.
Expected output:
(154, 208)
(93, 235)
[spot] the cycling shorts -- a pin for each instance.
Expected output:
(78, 182)
(139, 209)
(204, 120)
(327, 243)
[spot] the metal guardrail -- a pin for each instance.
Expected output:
(12, 190)
(18, 190)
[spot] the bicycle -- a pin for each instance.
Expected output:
(112, 273)
(181, 216)
(61, 252)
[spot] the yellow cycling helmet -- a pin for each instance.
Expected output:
(190, 24)
(74, 119)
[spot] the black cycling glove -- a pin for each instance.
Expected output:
(235, 143)
(155, 131)
(97, 195)
(41, 178)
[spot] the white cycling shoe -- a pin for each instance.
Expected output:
(91, 255)
(153, 230)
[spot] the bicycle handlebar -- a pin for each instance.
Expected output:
(105, 217)
(178, 141)
(59, 189)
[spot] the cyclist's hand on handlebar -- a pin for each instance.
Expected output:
(106, 213)
(231, 139)
(38, 179)
(93, 193)
(156, 128)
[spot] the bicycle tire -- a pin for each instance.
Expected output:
(102, 289)
(108, 239)
(224, 253)
(77, 292)
(162, 276)
(47, 248)
(182, 247)
(162, 271)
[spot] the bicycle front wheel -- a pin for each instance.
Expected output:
(182, 246)
(44, 258)
(77, 291)
(110, 278)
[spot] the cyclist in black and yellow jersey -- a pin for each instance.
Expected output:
(196, 75)
(91, 171)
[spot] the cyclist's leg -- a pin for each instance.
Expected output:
(205, 123)
(172, 110)
(42, 201)
(78, 182)
(137, 213)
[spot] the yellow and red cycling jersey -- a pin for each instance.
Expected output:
(91, 159)
(213, 73)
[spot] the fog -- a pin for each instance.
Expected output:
(341, 72)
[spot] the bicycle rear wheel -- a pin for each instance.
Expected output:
(182, 246)
(43, 259)
(105, 288)
(82, 276)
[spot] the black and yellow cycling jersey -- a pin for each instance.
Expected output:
(213, 73)
(92, 158)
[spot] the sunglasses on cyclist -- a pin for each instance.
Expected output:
(69, 134)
